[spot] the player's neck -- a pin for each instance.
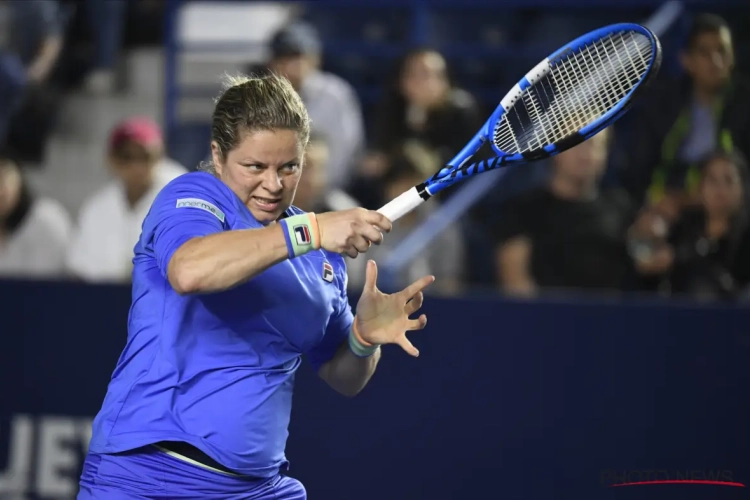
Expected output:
(569, 188)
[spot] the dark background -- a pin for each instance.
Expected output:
(507, 399)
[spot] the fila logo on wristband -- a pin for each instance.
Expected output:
(302, 235)
(328, 272)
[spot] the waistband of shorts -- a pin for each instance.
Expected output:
(190, 454)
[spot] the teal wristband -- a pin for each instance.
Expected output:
(301, 234)
(359, 347)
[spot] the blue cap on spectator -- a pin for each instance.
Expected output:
(295, 39)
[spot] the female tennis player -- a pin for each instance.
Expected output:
(231, 285)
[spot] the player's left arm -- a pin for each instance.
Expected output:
(381, 319)
(348, 373)
(333, 358)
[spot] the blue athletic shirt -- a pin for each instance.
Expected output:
(217, 370)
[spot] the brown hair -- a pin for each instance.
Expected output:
(248, 104)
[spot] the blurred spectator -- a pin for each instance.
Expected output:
(681, 122)
(332, 103)
(420, 105)
(110, 221)
(34, 231)
(567, 234)
(30, 43)
(711, 241)
(312, 194)
(106, 21)
(443, 258)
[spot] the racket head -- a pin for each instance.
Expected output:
(568, 97)
(575, 93)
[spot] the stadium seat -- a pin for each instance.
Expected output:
(361, 23)
(471, 25)
(188, 143)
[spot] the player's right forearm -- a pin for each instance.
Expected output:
(224, 260)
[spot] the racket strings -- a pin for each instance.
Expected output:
(579, 89)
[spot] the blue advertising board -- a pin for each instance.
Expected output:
(508, 400)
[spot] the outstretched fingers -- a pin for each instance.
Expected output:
(417, 324)
(414, 304)
(407, 346)
(410, 291)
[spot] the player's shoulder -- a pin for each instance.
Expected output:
(197, 185)
(199, 190)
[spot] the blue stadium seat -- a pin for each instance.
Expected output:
(557, 28)
(474, 71)
(359, 69)
(471, 25)
(188, 143)
(361, 23)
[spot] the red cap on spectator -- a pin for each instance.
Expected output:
(143, 131)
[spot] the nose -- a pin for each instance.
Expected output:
(272, 181)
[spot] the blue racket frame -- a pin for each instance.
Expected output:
(456, 169)
(459, 168)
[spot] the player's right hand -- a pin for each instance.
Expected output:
(351, 232)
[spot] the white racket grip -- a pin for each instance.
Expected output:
(402, 205)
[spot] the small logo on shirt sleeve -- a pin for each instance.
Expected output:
(328, 272)
(302, 235)
(201, 204)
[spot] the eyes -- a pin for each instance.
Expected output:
(289, 168)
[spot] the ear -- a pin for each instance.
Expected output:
(216, 157)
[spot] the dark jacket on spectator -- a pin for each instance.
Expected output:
(707, 268)
(447, 129)
(661, 123)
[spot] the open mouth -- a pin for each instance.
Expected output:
(266, 204)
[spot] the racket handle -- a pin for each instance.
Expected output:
(402, 205)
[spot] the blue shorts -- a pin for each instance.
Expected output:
(148, 473)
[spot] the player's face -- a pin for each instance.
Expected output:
(721, 189)
(263, 171)
(709, 62)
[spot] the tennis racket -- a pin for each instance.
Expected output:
(567, 98)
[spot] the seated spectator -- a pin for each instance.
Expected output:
(110, 221)
(443, 258)
(680, 122)
(34, 231)
(30, 45)
(420, 105)
(711, 241)
(567, 234)
(332, 103)
(312, 195)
